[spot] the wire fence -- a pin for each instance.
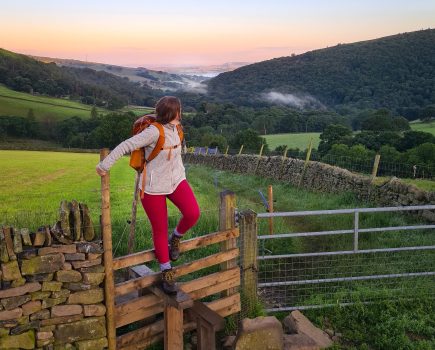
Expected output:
(354, 164)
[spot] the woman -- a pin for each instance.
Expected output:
(165, 177)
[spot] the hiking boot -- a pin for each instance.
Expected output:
(168, 282)
(174, 247)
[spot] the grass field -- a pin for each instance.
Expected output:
(32, 184)
(297, 140)
(16, 103)
(427, 127)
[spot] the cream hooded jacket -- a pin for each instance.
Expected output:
(163, 173)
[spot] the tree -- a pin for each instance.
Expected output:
(333, 134)
(94, 113)
(413, 138)
(249, 139)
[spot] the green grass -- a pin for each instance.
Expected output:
(32, 184)
(426, 127)
(296, 140)
(16, 103)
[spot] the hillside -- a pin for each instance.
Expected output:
(22, 73)
(397, 72)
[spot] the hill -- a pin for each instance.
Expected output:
(396, 72)
(22, 73)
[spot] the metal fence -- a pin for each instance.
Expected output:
(354, 264)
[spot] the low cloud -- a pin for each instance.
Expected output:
(196, 87)
(298, 101)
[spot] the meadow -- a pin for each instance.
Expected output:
(16, 103)
(293, 140)
(426, 127)
(32, 184)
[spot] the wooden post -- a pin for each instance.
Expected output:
(173, 333)
(285, 154)
(261, 150)
(270, 200)
(241, 149)
(227, 221)
(133, 215)
(226, 151)
(248, 259)
(375, 167)
(206, 151)
(109, 286)
(307, 158)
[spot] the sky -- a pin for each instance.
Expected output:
(197, 32)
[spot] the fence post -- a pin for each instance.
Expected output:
(261, 150)
(106, 227)
(227, 221)
(307, 158)
(375, 166)
(356, 231)
(226, 151)
(241, 149)
(248, 260)
(270, 200)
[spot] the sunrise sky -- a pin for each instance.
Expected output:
(149, 33)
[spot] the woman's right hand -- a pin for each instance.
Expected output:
(100, 171)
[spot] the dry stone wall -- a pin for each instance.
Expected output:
(52, 294)
(321, 177)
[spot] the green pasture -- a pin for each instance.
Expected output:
(426, 127)
(293, 140)
(32, 184)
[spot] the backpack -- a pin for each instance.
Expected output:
(137, 157)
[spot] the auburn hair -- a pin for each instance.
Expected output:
(167, 109)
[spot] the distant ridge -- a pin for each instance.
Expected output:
(396, 72)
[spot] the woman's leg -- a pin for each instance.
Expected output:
(157, 212)
(185, 201)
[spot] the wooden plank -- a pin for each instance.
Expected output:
(227, 221)
(173, 331)
(225, 304)
(106, 227)
(190, 244)
(146, 281)
(215, 288)
(203, 311)
(206, 334)
(180, 300)
(150, 305)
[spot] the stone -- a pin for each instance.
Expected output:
(25, 236)
(95, 344)
(10, 271)
(57, 233)
(22, 341)
(68, 276)
(66, 346)
(90, 247)
(14, 302)
(18, 282)
(228, 342)
(93, 296)
(44, 343)
(25, 327)
(48, 239)
(67, 266)
(7, 232)
(260, 333)
(75, 257)
(44, 335)
(95, 269)
(18, 242)
(40, 315)
(64, 218)
(4, 256)
(39, 237)
(8, 323)
(47, 328)
(92, 256)
(41, 277)
(297, 323)
(66, 310)
(11, 314)
(76, 220)
(63, 293)
(86, 263)
(87, 226)
(77, 286)
(61, 320)
(28, 253)
(93, 277)
(43, 264)
(40, 295)
(23, 320)
(94, 310)
(58, 248)
(50, 302)
(31, 307)
(299, 342)
(4, 332)
(53, 286)
(86, 329)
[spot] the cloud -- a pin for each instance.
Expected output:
(196, 87)
(300, 101)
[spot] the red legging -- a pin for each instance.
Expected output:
(157, 212)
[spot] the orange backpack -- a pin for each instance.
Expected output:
(137, 157)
